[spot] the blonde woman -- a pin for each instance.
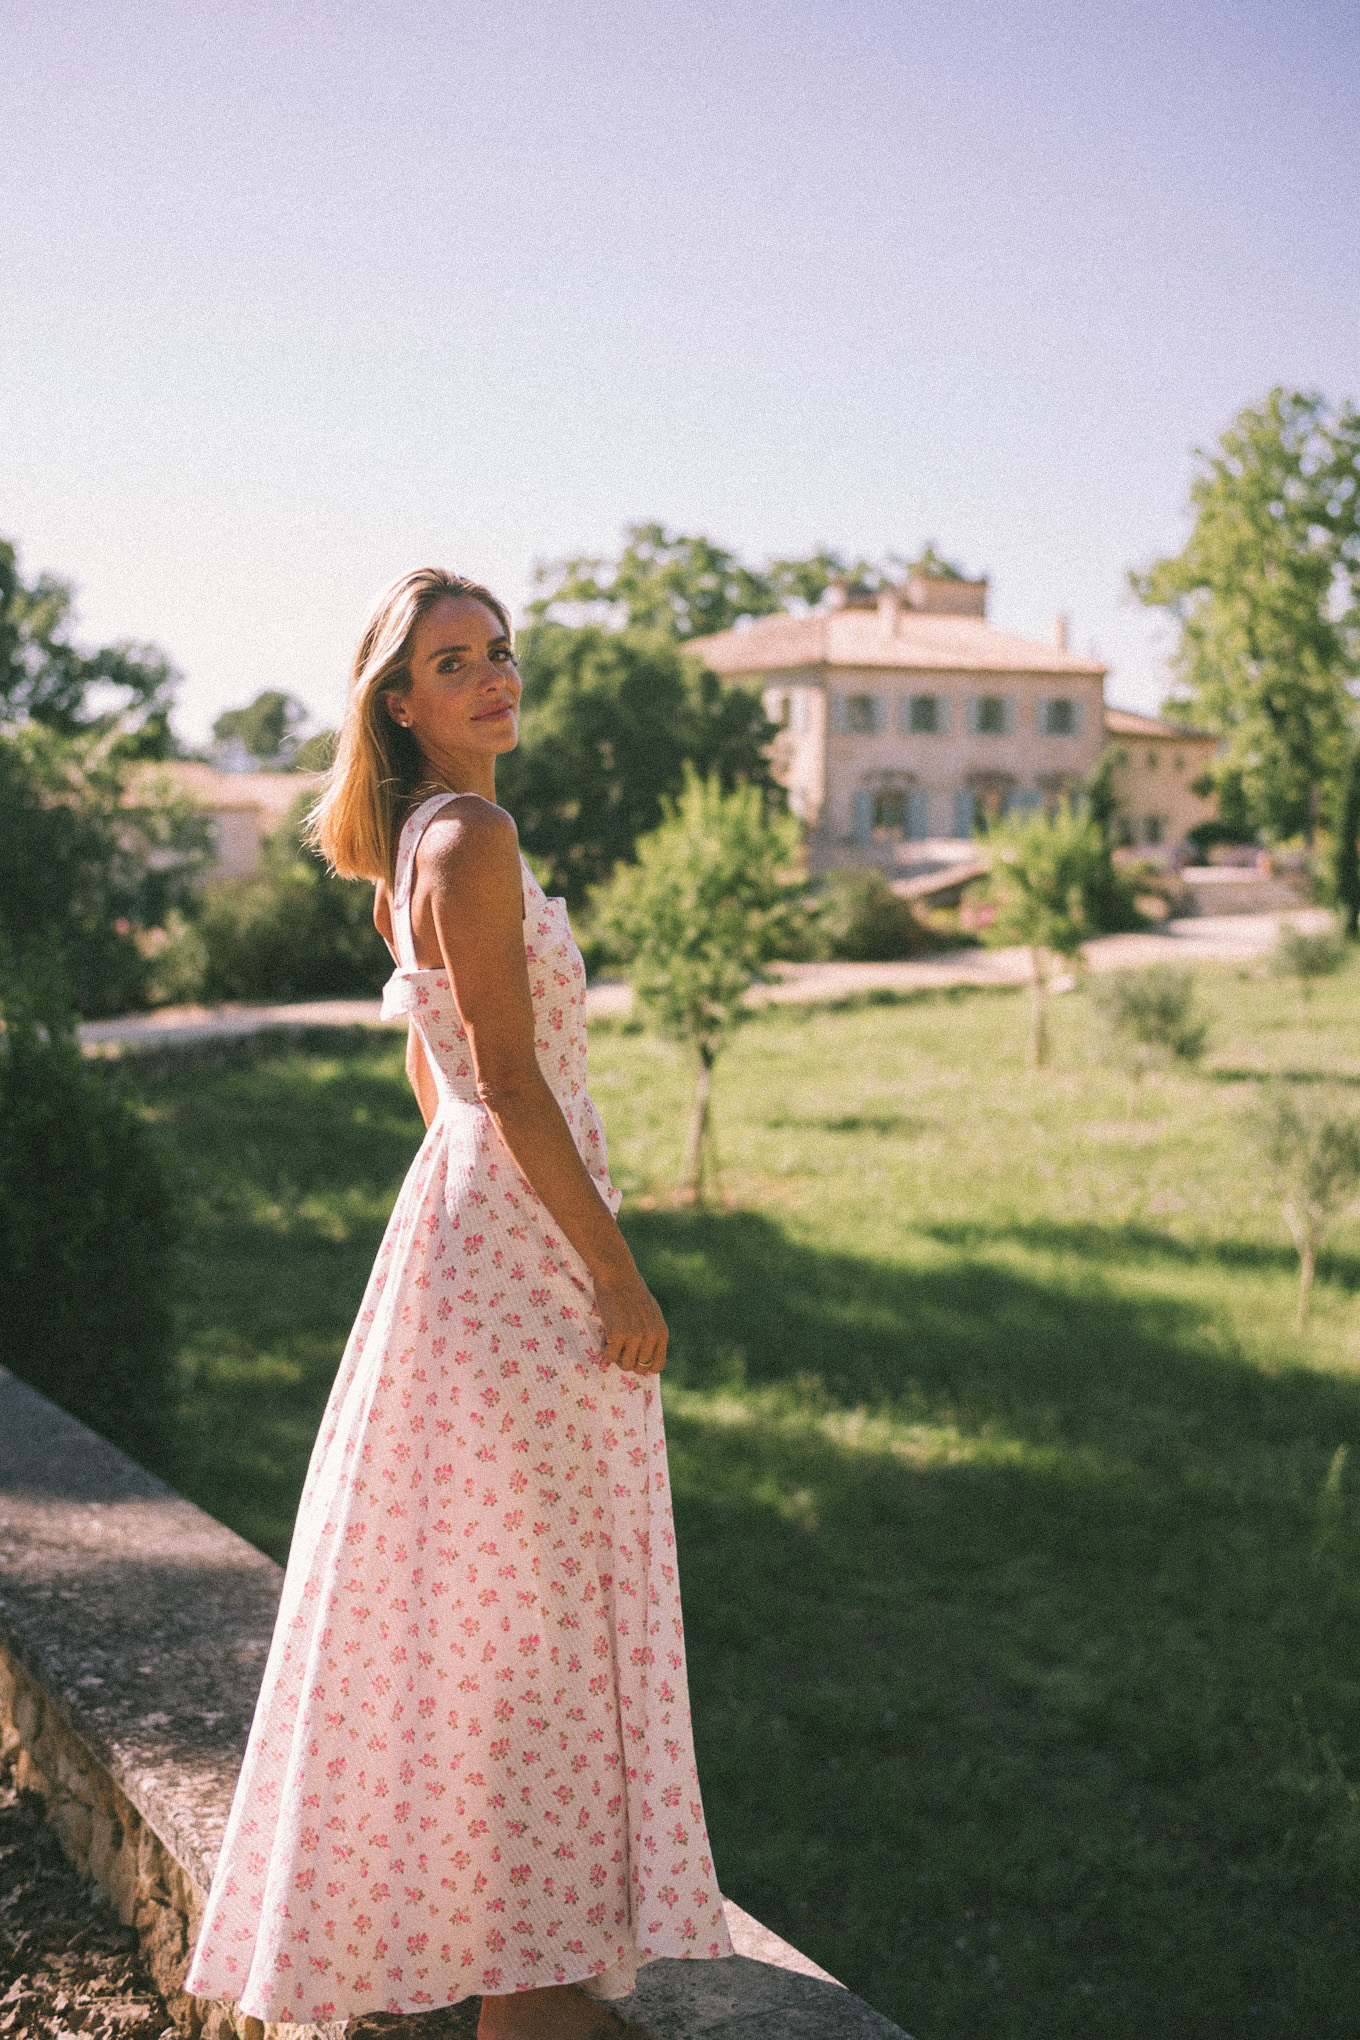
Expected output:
(471, 1768)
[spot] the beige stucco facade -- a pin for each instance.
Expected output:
(904, 716)
(241, 808)
(1157, 764)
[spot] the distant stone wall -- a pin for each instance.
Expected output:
(133, 1636)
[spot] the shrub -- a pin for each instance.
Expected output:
(1304, 956)
(1152, 1013)
(294, 932)
(87, 1229)
(862, 920)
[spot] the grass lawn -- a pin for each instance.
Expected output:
(1019, 1537)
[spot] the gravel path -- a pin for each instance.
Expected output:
(1221, 939)
(66, 1965)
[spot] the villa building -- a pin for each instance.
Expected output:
(905, 715)
(1158, 765)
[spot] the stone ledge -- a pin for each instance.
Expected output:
(133, 1636)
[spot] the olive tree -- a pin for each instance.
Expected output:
(1310, 1142)
(1151, 1014)
(1301, 954)
(699, 917)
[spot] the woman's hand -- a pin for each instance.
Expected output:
(635, 1332)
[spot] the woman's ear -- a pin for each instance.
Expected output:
(396, 707)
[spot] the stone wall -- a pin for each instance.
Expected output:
(133, 1635)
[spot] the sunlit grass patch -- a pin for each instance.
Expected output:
(1019, 1528)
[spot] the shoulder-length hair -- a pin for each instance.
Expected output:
(378, 765)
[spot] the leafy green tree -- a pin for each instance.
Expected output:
(123, 690)
(688, 587)
(267, 727)
(1346, 845)
(610, 720)
(700, 916)
(862, 920)
(317, 752)
(1266, 595)
(1310, 1142)
(89, 861)
(1044, 870)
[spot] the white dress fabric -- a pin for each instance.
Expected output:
(471, 1766)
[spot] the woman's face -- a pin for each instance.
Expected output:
(464, 694)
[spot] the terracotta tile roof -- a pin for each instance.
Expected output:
(1126, 722)
(857, 637)
(272, 793)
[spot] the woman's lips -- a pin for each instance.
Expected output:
(495, 714)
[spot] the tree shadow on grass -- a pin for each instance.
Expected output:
(1050, 1359)
(980, 1726)
(1119, 1246)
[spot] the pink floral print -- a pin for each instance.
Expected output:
(471, 1766)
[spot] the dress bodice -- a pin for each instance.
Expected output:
(557, 984)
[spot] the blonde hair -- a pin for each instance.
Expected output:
(378, 765)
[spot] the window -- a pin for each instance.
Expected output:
(858, 715)
(1153, 826)
(1061, 717)
(890, 814)
(990, 715)
(964, 816)
(1152, 761)
(923, 715)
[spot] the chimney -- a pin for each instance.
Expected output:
(1060, 632)
(889, 603)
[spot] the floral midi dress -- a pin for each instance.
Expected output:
(471, 1766)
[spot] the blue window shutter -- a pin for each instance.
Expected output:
(880, 715)
(1010, 717)
(918, 814)
(943, 714)
(1025, 800)
(840, 718)
(904, 715)
(963, 812)
(863, 816)
(1078, 718)
(972, 707)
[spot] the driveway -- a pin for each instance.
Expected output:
(1231, 939)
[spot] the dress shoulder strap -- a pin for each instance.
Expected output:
(413, 828)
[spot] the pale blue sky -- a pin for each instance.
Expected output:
(295, 297)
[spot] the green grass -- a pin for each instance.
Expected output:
(1019, 1534)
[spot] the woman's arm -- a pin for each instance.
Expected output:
(470, 899)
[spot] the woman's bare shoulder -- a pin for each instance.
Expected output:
(470, 838)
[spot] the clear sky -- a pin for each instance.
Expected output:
(293, 297)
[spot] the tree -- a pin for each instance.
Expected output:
(700, 915)
(1152, 1013)
(688, 587)
(268, 727)
(1346, 846)
(88, 863)
(610, 720)
(1043, 870)
(123, 690)
(1266, 595)
(1311, 1144)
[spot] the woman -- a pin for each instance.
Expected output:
(471, 1767)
